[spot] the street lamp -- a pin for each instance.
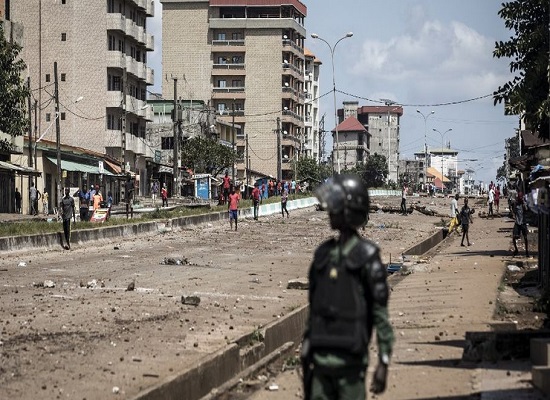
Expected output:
(332, 49)
(425, 146)
(442, 146)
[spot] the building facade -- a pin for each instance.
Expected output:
(312, 137)
(353, 143)
(100, 49)
(246, 61)
(382, 124)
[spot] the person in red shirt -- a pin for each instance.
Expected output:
(233, 206)
(256, 200)
(226, 186)
(164, 195)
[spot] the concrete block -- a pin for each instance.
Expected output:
(541, 379)
(540, 351)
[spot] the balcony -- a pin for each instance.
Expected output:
(226, 46)
(290, 69)
(131, 28)
(150, 76)
(293, 47)
(140, 34)
(150, 10)
(291, 116)
(149, 42)
(258, 23)
(290, 93)
(116, 22)
(113, 99)
(228, 93)
(115, 59)
(141, 4)
(240, 67)
(131, 66)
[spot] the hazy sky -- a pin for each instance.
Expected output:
(419, 53)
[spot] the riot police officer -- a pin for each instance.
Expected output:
(348, 297)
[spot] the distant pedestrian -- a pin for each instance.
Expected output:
(17, 201)
(164, 195)
(109, 199)
(293, 186)
(284, 201)
(404, 200)
(465, 220)
(256, 200)
(154, 191)
(226, 186)
(455, 220)
(491, 200)
(520, 225)
(45, 201)
(67, 212)
(84, 201)
(98, 199)
(233, 206)
(34, 196)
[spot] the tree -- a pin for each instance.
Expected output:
(308, 169)
(205, 155)
(13, 91)
(374, 171)
(527, 94)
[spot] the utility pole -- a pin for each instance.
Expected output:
(57, 133)
(247, 164)
(35, 138)
(30, 160)
(279, 151)
(175, 189)
(322, 135)
(233, 138)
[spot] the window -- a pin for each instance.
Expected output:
(121, 45)
(48, 117)
(221, 107)
(237, 59)
(167, 143)
(63, 77)
(116, 83)
(112, 43)
(221, 36)
(237, 83)
(222, 60)
(47, 77)
(63, 115)
(63, 37)
(110, 121)
(222, 83)
(110, 6)
(236, 36)
(63, 1)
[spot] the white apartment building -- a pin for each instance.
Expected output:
(311, 143)
(246, 61)
(100, 48)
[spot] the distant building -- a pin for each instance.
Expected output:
(382, 124)
(353, 143)
(246, 60)
(311, 143)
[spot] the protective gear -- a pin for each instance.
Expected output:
(307, 367)
(345, 195)
(339, 304)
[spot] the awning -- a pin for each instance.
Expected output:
(116, 168)
(18, 169)
(166, 170)
(79, 167)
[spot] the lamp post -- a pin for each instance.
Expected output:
(442, 146)
(425, 148)
(332, 49)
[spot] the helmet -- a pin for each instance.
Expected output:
(345, 194)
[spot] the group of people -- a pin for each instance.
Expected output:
(155, 188)
(34, 197)
(91, 198)
(493, 199)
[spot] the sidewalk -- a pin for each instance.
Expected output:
(431, 310)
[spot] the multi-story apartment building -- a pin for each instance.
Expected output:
(353, 139)
(246, 60)
(100, 48)
(311, 144)
(382, 124)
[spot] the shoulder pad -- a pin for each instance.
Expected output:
(321, 257)
(361, 254)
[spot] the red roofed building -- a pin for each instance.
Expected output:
(353, 143)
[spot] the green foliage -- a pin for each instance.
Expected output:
(13, 91)
(374, 171)
(527, 93)
(308, 169)
(205, 155)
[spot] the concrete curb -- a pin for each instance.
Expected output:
(220, 367)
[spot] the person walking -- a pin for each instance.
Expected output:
(491, 200)
(164, 195)
(154, 191)
(348, 297)
(520, 225)
(284, 201)
(455, 220)
(17, 201)
(45, 201)
(233, 207)
(404, 200)
(226, 186)
(465, 220)
(256, 200)
(98, 199)
(67, 212)
(34, 195)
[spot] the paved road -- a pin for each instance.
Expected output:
(431, 310)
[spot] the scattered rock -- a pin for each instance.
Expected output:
(273, 387)
(49, 284)
(190, 300)
(92, 284)
(131, 286)
(299, 284)
(116, 390)
(174, 261)
(513, 268)
(22, 264)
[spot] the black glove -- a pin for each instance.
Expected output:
(378, 384)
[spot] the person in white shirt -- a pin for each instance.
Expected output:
(491, 201)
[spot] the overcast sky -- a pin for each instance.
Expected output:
(419, 53)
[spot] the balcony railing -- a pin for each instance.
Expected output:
(149, 42)
(228, 66)
(239, 42)
(231, 89)
(288, 42)
(293, 114)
